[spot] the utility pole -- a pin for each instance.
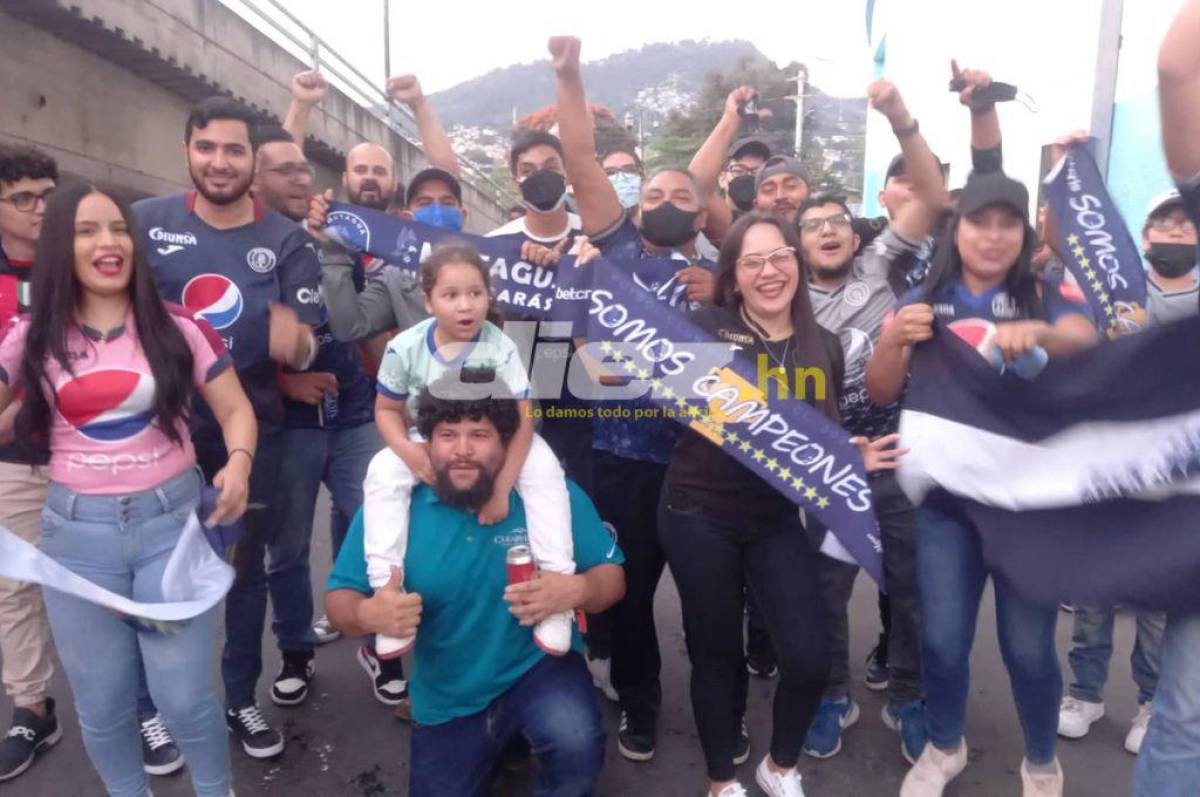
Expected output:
(801, 89)
(387, 41)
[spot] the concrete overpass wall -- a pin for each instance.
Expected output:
(105, 85)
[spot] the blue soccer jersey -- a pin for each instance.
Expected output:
(230, 278)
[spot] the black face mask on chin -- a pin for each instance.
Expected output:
(544, 191)
(741, 191)
(669, 227)
(1172, 260)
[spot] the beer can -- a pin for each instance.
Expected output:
(329, 409)
(519, 561)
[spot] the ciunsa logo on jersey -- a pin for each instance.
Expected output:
(215, 298)
(108, 405)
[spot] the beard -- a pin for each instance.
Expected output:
(836, 272)
(226, 196)
(381, 201)
(470, 498)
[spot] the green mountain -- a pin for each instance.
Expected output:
(672, 71)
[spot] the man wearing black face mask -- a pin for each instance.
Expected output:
(631, 455)
(539, 175)
(1169, 242)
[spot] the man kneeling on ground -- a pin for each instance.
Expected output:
(478, 679)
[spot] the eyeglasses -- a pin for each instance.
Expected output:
(26, 201)
(838, 221)
(291, 171)
(629, 168)
(1172, 223)
(738, 169)
(783, 256)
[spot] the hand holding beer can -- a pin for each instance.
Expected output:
(519, 561)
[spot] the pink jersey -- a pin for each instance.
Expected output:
(103, 439)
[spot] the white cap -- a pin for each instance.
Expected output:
(1171, 197)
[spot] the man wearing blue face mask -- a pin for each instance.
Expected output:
(435, 198)
(625, 172)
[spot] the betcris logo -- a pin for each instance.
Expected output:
(215, 298)
(108, 405)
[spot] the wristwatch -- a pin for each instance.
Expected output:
(905, 132)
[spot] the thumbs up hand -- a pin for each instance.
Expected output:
(391, 611)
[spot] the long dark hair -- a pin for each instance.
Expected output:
(1020, 281)
(56, 296)
(807, 335)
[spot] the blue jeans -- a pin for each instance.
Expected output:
(122, 543)
(1091, 651)
(339, 459)
(951, 574)
(553, 706)
(270, 555)
(1169, 763)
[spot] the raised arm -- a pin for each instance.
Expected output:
(1179, 93)
(913, 220)
(708, 161)
(308, 89)
(599, 208)
(986, 149)
(435, 142)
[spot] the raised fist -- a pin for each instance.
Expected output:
(309, 87)
(406, 89)
(973, 78)
(564, 53)
(738, 97)
(885, 98)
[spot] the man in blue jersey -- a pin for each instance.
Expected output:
(632, 455)
(330, 419)
(479, 681)
(253, 275)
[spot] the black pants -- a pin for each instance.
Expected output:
(711, 557)
(627, 493)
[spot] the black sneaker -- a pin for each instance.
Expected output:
(387, 676)
(635, 738)
(251, 729)
(160, 756)
(876, 675)
(741, 753)
(291, 685)
(28, 736)
(760, 656)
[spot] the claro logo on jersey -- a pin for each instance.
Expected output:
(308, 295)
(215, 298)
(171, 242)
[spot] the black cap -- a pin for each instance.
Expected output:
(434, 173)
(743, 145)
(993, 188)
(780, 164)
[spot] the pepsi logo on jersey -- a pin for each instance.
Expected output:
(108, 405)
(215, 298)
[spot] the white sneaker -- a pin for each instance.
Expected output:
(601, 670)
(933, 770)
(778, 784)
(734, 789)
(1075, 717)
(1137, 729)
(325, 632)
(1038, 784)
(389, 647)
(553, 634)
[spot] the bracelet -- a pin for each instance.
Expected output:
(249, 456)
(905, 132)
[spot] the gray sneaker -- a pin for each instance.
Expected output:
(325, 632)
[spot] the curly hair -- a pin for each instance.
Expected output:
(18, 162)
(500, 407)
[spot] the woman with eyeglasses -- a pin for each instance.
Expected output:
(722, 526)
(108, 372)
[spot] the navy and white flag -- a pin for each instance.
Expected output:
(1084, 482)
(1095, 243)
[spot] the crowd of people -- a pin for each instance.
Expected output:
(222, 337)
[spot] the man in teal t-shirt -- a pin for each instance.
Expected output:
(478, 678)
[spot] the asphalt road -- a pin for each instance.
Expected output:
(343, 742)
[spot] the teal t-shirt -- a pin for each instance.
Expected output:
(470, 649)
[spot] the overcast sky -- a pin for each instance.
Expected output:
(445, 43)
